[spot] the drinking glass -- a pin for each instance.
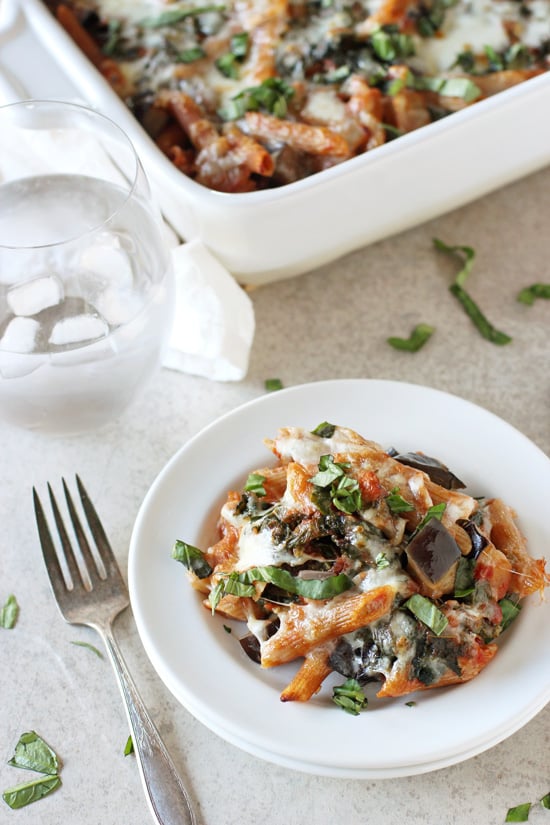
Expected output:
(86, 290)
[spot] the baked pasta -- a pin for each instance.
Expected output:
(364, 562)
(244, 95)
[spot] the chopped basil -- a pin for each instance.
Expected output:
(464, 579)
(21, 795)
(227, 64)
(239, 44)
(329, 471)
(173, 16)
(510, 611)
(9, 613)
(432, 16)
(255, 484)
(94, 649)
(520, 813)
(461, 87)
(324, 430)
(545, 801)
(388, 44)
(466, 254)
(273, 384)
(427, 612)
(192, 558)
(350, 697)
(418, 337)
(397, 503)
(346, 495)
(381, 561)
(191, 54)
(530, 293)
(113, 36)
(242, 584)
(410, 704)
(33, 754)
(129, 746)
(272, 95)
(227, 628)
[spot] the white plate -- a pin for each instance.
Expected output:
(204, 666)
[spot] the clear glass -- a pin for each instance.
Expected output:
(86, 291)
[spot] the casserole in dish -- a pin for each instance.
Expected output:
(276, 232)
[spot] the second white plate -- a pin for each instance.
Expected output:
(204, 666)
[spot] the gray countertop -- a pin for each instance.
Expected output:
(331, 323)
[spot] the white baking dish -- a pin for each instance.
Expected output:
(267, 235)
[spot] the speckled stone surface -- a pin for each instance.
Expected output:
(331, 323)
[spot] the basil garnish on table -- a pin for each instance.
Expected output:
(22, 795)
(34, 754)
(420, 335)
(9, 613)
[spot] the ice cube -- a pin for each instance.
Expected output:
(110, 263)
(31, 297)
(78, 329)
(20, 335)
(119, 306)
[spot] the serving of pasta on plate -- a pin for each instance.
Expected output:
(361, 561)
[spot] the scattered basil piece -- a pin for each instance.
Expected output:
(273, 384)
(239, 44)
(510, 611)
(410, 704)
(227, 628)
(346, 495)
(94, 649)
(397, 503)
(113, 36)
(324, 430)
(464, 579)
(530, 293)
(192, 558)
(33, 754)
(228, 65)
(435, 511)
(545, 801)
(129, 746)
(272, 95)
(9, 613)
(350, 697)
(381, 561)
(484, 326)
(426, 611)
(255, 484)
(416, 340)
(21, 795)
(466, 255)
(173, 16)
(461, 87)
(520, 813)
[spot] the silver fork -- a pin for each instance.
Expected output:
(95, 597)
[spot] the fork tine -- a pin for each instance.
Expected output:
(70, 558)
(48, 548)
(102, 542)
(89, 561)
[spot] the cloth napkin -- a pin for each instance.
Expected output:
(214, 323)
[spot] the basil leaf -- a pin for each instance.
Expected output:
(172, 16)
(461, 87)
(271, 95)
(227, 64)
(397, 503)
(191, 54)
(255, 484)
(329, 471)
(520, 813)
(113, 35)
(465, 254)
(9, 613)
(435, 511)
(510, 611)
(273, 384)
(239, 44)
(464, 578)
(418, 337)
(317, 589)
(350, 697)
(484, 326)
(22, 795)
(94, 649)
(381, 561)
(427, 612)
(33, 754)
(346, 495)
(324, 430)
(530, 293)
(545, 801)
(129, 746)
(192, 558)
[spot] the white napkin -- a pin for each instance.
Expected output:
(214, 322)
(214, 317)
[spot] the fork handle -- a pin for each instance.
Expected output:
(168, 799)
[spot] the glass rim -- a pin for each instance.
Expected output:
(86, 111)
